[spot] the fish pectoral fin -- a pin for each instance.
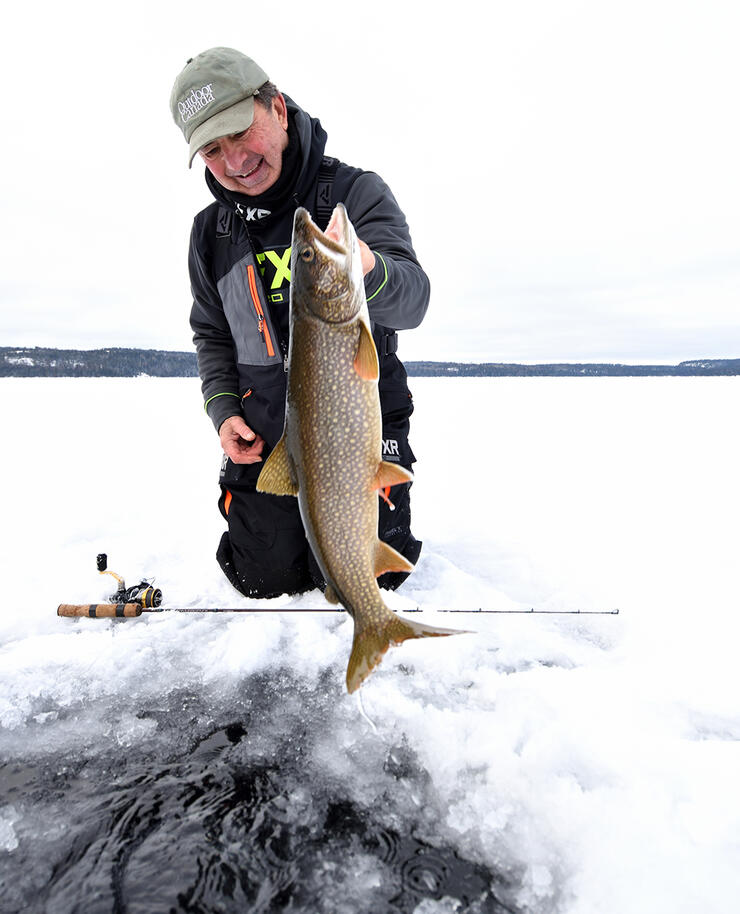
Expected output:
(387, 559)
(391, 474)
(366, 358)
(372, 641)
(330, 595)
(278, 476)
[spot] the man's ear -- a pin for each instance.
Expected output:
(280, 108)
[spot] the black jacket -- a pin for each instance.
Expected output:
(239, 271)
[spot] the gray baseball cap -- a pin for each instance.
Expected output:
(214, 96)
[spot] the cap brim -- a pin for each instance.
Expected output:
(230, 120)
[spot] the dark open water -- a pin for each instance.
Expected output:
(209, 805)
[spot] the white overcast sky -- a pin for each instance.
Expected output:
(569, 169)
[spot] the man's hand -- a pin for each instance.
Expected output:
(239, 441)
(366, 255)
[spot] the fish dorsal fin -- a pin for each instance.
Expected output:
(387, 559)
(366, 359)
(278, 476)
(391, 474)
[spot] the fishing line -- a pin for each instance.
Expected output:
(363, 714)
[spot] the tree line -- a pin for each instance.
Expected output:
(160, 363)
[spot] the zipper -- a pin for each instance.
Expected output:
(262, 325)
(261, 321)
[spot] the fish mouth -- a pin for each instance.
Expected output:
(333, 266)
(339, 224)
(308, 232)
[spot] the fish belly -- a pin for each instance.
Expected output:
(336, 436)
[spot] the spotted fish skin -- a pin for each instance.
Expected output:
(329, 454)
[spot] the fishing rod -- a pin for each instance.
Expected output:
(131, 610)
(131, 602)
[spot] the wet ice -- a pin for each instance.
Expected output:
(549, 764)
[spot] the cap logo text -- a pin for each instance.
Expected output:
(195, 102)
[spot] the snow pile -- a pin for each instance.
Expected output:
(591, 760)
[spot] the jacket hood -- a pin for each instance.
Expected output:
(301, 163)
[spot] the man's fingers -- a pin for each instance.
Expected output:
(239, 428)
(240, 452)
(367, 257)
(253, 453)
(234, 432)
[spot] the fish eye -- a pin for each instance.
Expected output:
(307, 254)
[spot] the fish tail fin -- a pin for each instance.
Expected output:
(371, 642)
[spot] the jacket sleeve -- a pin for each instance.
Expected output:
(213, 342)
(397, 288)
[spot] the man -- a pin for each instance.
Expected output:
(264, 157)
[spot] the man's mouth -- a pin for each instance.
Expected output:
(250, 171)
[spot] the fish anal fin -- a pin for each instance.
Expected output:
(387, 559)
(277, 476)
(371, 642)
(366, 358)
(331, 595)
(391, 474)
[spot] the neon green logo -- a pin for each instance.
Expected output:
(275, 267)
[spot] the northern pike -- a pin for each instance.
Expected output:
(329, 455)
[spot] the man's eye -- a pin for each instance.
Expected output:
(238, 136)
(210, 153)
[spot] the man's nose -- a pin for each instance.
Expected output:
(233, 155)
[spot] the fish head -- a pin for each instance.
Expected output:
(326, 273)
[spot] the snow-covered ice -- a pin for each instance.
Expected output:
(590, 760)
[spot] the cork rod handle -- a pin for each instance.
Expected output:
(99, 610)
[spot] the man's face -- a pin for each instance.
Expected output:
(250, 162)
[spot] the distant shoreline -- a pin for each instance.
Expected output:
(25, 362)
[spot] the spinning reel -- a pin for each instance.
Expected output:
(143, 593)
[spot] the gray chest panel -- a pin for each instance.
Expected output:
(246, 311)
